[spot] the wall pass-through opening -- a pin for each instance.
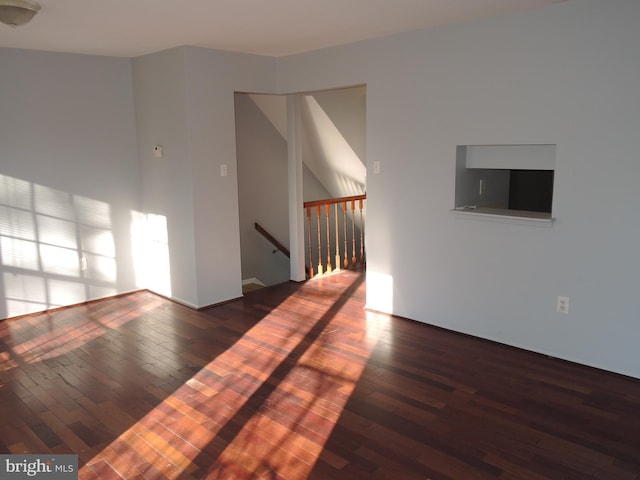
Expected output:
(507, 180)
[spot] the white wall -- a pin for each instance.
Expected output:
(263, 192)
(566, 74)
(185, 102)
(212, 79)
(68, 179)
(347, 109)
(167, 183)
(326, 150)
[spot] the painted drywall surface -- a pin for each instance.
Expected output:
(347, 109)
(327, 153)
(67, 136)
(167, 182)
(274, 107)
(212, 79)
(525, 157)
(566, 74)
(185, 102)
(262, 192)
(333, 132)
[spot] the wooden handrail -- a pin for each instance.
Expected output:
(274, 242)
(330, 201)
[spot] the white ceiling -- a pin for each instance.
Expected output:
(129, 28)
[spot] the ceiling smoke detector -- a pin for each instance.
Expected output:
(17, 12)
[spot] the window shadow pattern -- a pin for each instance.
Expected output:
(59, 248)
(72, 380)
(56, 248)
(264, 407)
(139, 386)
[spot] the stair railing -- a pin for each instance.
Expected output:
(278, 246)
(352, 210)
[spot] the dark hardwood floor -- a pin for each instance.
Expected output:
(299, 381)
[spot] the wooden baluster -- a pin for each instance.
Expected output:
(350, 258)
(327, 211)
(344, 234)
(337, 258)
(361, 234)
(320, 269)
(353, 233)
(310, 254)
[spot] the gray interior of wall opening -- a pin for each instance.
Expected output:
(505, 180)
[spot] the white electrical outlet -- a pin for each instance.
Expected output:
(376, 167)
(563, 305)
(223, 170)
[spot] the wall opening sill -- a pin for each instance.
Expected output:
(541, 219)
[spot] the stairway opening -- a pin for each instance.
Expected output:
(333, 124)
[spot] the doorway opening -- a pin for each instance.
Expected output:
(333, 137)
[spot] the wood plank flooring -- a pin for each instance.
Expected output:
(299, 381)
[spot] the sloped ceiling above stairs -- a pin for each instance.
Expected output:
(334, 142)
